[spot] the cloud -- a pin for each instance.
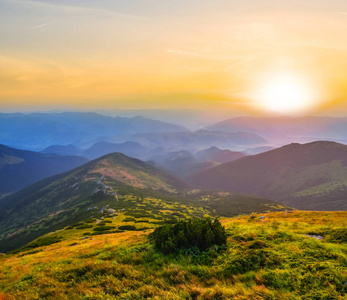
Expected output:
(40, 26)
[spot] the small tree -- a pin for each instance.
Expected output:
(199, 233)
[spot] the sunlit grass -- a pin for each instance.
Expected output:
(270, 258)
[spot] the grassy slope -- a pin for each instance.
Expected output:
(264, 259)
(64, 199)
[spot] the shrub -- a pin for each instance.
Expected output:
(103, 228)
(199, 233)
(129, 219)
(127, 227)
(90, 220)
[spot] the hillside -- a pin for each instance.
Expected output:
(19, 168)
(65, 198)
(309, 176)
(276, 257)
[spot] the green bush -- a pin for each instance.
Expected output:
(199, 233)
(90, 220)
(127, 227)
(129, 219)
(103, 228)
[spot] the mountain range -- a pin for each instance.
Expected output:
(194, 141)
(37, 131)
(112, 184)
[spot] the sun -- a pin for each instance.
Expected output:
(284, 93)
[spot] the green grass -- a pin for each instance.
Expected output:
(270, 258)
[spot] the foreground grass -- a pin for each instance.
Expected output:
(270, 258)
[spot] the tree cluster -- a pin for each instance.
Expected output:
(199, 233)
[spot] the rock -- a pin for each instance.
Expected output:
(318, 237)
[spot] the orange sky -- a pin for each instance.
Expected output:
(157, 54)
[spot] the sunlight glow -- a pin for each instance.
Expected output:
(285, 93)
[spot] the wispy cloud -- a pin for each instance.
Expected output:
(71, 8)
(40, 26)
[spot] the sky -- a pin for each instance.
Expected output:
(238, 55)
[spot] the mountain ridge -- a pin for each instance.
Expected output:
(21, 168)
(282, 174)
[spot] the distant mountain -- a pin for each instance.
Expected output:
(182, 163)
(63, 150)
(217, 155)
(20, 168)
(258, 150)
(40, 130)
(128, 148)
(192, 141)
(288, 129)
(66, 198)
(312, 176)
(179, 163)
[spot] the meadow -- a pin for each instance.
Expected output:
(275, 257)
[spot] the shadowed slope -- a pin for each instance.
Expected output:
(20, 168)
(311, 176)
